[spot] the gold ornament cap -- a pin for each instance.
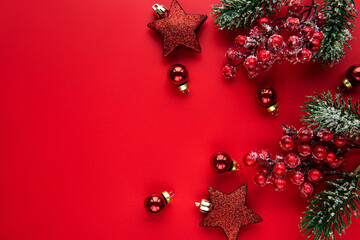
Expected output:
(159, 9)
(184, 88)
(235, 166)
(273, 109)
(204, 205)
(347, 83)
(168, 196)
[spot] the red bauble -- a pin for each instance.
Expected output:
(352, 78)
(178, 75)
(318, 35)
(266, 97)
(314, 175)
(156, 202)
(250, 159)
(222, 162)
(330, 158)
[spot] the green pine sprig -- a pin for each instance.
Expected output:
(340, 18)
(234, 14)
(331, 210)
(340, 116)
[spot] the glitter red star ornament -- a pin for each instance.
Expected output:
(178, 29)
(229, 211)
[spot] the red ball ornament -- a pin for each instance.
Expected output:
(156, 202)
(352, 78)
(178, 75)
(222, 162)
(266, 97)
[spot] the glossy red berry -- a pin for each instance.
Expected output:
(280, 56)
(336, 163)
(340, 140)
(307, 33)
(279, 169)
(240, 40)
(275, 42)
(229, 71)
(280, 184)
(305, 134)
(292, 160)
(287, 143)
(264, 23)
(260, 179)
(250, 159)
(318, 35)
(296, 6)
(292, 24)
(289, 130)
(320, 20)
(264, 56)
(292, 57)
(314, 175)
(252, 74)
(330, 158)
(250, 43)
(319, 153)
(264, 170)
(250, 63)
(304, 150)
(307, 189)
(325, 134)
(255, 33)
(297, 178)
(232, 54)
(293, 42)
(314, 45)
(264, 154)
(304, 55)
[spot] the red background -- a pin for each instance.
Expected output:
(90, 125)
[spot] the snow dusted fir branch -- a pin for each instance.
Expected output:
(340, 116)
(331, 210)
(340, 18)
(234, 14)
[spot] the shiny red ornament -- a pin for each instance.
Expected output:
(352, 78)
(266, 97)
(156, 202)
(222, 162)
(178, 75)
(177, 28)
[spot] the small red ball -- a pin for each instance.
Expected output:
(297, 178)
(307, 189)
(318, 35)
(264, 154)
(260, 179)
(305, 134)
(304, 150)
(266, 97)
(353, 75)
(325, 134)
(280, 56)
(320, 20)
(287, 143)
(340, 140)
(250, 63)
(314, 45)
(240, 40)
(280, 184)
(304, 55)
(221, 162)
(155, 202)
(279, 169)
(292, 160)
(296, 6)
(293, 42)
(265, 66)
(177, 74)
(292, 24)
(275, 42)
(336, 163)
(264, 56)
(255, 33)
(252, 74)
(251, 43)
(330, 158)
(307, 33)
(292, 57)
(229, 71)
(314, 175)
(232, 54)
(289, 130)
(264, 170)
(319, 153)
(250, 159)
(264, 20)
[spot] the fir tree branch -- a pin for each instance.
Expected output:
(339, 116)
(340, 18)
(326, 210)
(236, 14)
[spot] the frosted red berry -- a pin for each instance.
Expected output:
(330, 158)
(340, 140)
(250, 159)
(336, 163)
(304, 150)
(297, 178)
(250, 43)
(319, 153)
(280, 184)
(265, 66)
(287, 143)
(275, 42)
(250, 63)
(305, 134)
(264, 22)
(289, 130)
(264, 170)
(232, 54)
(292, 160)
(320, 20)
(314, 175)
(252, 74)
(264, 155)
(279, 169)
(325, 134)
(293, 42)
(314, 45)
(307, 189)
(260, 179)
(304, 55)
(292, 57)
(264, 56)
(296, 6)
(307, 33)
(318, 35)
(240, 40)
(255, 33)
(292, 24)
(229, 71)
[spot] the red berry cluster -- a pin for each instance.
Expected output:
(265, 45)
(309, 156)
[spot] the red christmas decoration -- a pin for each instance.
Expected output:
(178, 76)
(352, 78)
(177, 28)
(156, 202)
(267, 98)
(222, 162)
(227, 211)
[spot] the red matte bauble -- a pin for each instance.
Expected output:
(155, 202)
(266, 97)
(353, 75)
(221, 162)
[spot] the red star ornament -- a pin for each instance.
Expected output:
(229, 211)
(178, 29)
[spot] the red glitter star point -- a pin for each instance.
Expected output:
(178, 29)
(229, 211)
